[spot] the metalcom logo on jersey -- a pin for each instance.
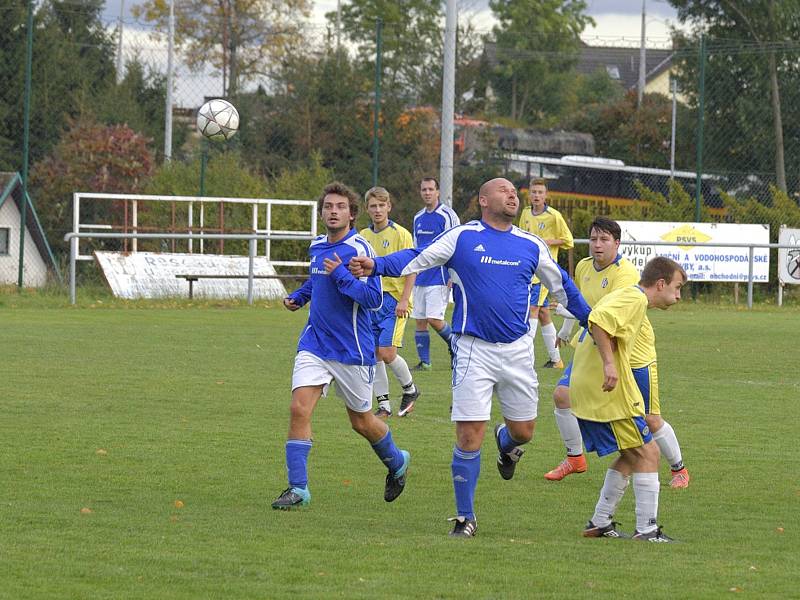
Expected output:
(488, 260)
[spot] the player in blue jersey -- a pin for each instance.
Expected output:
(431, 292)
(337, 344)
(491, 263)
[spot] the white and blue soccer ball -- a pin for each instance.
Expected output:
(218, 120)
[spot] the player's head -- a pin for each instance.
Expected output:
(429, 191)
(537, 194)
(379, 205)
(498, 201)
(338, 206)
(662, 280)
(604, 237)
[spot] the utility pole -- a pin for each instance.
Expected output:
(448, 104)
(170, 69)
(119, 40)
(642, 61)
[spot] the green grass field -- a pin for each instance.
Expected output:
(127, 409)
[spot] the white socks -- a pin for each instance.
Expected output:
(668, 444)
(399, 367)
(534, 323)
(570, 431)
(645, 487)
(549, 336)
(380, 386)
(613, 489)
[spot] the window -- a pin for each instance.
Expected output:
(4, 233)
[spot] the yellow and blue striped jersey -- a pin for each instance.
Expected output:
(548, 225)
(391, 238)
(621, 314)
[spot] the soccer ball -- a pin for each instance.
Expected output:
(218, 120)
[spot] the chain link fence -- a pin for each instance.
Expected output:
(713, 138)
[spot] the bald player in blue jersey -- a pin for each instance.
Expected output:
(491, 263)
(337, 344)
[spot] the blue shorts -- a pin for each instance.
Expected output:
(647, 381)
(387, 327)
(539, 295)
(565, 376)
(613, 436)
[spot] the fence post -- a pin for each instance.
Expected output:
(750, 277)
(26, 128)
(700, 120)
(375, 142)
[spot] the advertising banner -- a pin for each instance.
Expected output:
(702, 263)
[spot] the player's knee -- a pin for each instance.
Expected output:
(387, 354)
(521, 431)
(561, 396)
(300, 411)
(654, 422)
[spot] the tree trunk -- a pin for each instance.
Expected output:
(777, 121)
(513, 95)
(233, 71)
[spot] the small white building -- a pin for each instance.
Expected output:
(38, 261)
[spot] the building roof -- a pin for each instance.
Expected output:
(11, 187)
(621, 64)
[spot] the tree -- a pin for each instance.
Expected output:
(410, 37)
(72, 64)
(766, 23)
(139, 101)
(90, 157)
(239, 38)
(536, 44)
(639, 137)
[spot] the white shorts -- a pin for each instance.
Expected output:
(353, 382)
(483, 367)
(430, 301)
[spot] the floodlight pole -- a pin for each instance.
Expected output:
(170, 69)
(642, 61)
(376, 122)
(448, 105)
(700, 123)
(25, 145)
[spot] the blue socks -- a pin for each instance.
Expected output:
(423, 341)
(297, 462)
(507, 443)
(466, 468)
(389, 454)
(446, 333)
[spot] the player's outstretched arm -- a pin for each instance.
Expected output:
(361, 266)
(367, 292)
(562, 287)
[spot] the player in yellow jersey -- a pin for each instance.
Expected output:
(389, 323)
(596, 276)
(546, 222)
(609, 405)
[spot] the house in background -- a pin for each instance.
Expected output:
(39, 263)
(622, 65)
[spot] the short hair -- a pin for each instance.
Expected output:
(606, 225)
(379, 193)
(340, 189)
(538, 181)
(433, 179)
(660, 267)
